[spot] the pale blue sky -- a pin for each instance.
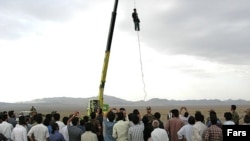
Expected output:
(190, 49)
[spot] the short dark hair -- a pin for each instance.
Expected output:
(233, 107)
(120, 116)
(88, 126)
(198, 116)
(228, 116)
(92, 115)
(111, 116)
(175, 112)
(135, 119)
(157, 115)
(191, 120)
(56, 116)
(75, 120)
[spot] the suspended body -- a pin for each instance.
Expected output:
(136, 20)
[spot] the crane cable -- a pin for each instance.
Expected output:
(140, 58)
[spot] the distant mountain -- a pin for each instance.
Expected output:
(68, 103)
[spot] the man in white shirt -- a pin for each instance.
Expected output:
(158, 134)
(186, 131)
(199, 127)
(40, 132)
(19, 133)
(120, 129)
(57, 117)
(5, 127)
(88, 135)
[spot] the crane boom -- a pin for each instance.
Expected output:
(107, 54)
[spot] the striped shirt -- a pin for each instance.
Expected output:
(135, 133)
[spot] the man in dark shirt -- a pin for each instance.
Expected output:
(136, 20)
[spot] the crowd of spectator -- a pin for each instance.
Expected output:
(118, 125)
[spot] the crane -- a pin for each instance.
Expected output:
(99, 103)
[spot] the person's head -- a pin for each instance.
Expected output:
(11, 114)
(136, 112)
(134, 9)
(56, 116)
(48, 116)
(88, 126)
(86, 118)
(228, 116)
(46, 122)
(135, 119)
(123, 110)
(120, 116)
(157, 115)
(198, 116)
(65, 120)
(111, 116)
(213, 120)
(186, 114)
(39, 118)
(82, 122)
(92, 115)
(191, 120)
(75, 121)
(233, 107)
(155, 123)
(246, 119)
(55, 127)
(4, 117)
(212, 113)
(148, 110)
(130, 115)
(175, 112)
(22, 120)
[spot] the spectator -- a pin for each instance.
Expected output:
(173, 125)
(199, 127)
(235, 115)
(228, 119)
(39, 132)
(55, 134)
(148, 128)
(64, 130)
(108, 124)
(246, 119)
(149, 114)
(73, 131)
(96, 126)
(186, 131)
(5, 127)
(120, 129)
(19, 133)
(158, 134)
(185, 116)
(57, 117)
(12, 118)
(157, 116)
(212, 113)
(89, 135)
(213, 133)
(135, 133)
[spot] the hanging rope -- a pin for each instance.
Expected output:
(142, 74)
